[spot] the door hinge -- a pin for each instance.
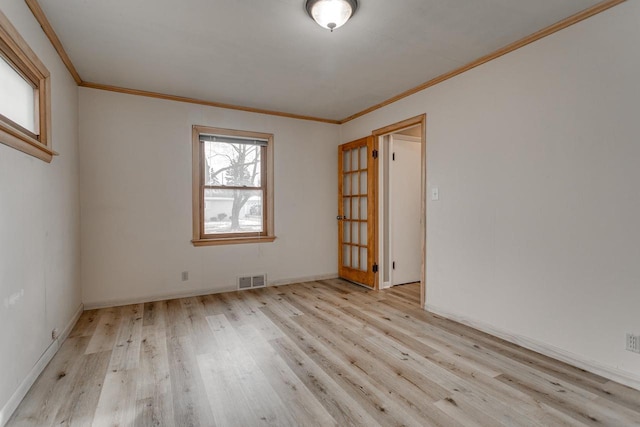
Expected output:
(393, 265)
(375, 267)
(375, 154)
(394, 157)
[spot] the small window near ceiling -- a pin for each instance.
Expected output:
(233, 186)
(17, 98)
(24, 95)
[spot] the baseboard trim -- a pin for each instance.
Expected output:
(196, 293)
(617, 375)
(152, 298)
(303, 279)
(13, 403)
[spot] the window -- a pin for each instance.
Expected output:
(232, 186)
(24, 96)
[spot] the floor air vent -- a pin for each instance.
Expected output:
(251, 282)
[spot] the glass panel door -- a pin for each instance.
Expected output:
(356, 195)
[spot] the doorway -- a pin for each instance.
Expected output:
(400, 240)
(401, 207)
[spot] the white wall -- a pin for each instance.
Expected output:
(136, 202)
(537, 158)
(39, 228)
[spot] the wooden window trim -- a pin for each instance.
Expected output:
(199, 238)
(16, 50)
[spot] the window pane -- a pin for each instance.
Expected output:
(346, 235)
(236, 165)
(354, 257)
(346, 255)
(354, 160)
(354, 208)
(17, 97)
(363, 233)
(346, 161)
(363, 183)
(347, 207)
(364, 264)
(363, 158)
(354, 182)
(354, 232)
(363, 208)
(232, 211)
(346, 184)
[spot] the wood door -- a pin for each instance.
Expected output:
(357, 188)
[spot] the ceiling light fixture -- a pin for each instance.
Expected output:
(331, 14)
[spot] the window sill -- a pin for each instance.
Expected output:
(232, 241)
(28, 145)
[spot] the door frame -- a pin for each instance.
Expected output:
(393, 128)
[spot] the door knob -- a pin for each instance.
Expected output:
(340, 218)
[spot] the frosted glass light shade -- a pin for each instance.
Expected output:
(331, 14)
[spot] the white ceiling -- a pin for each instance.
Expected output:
(269, 54)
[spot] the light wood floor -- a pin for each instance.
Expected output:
(319, 353)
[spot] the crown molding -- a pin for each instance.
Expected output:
(203, 102)
(42, 19)
(38, 13)
(567, 22)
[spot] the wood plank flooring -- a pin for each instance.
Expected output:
(310, 354)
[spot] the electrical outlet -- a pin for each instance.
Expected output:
(633, 343)
(185, 276)
(55, 334)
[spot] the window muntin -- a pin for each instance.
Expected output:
(233, 197)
